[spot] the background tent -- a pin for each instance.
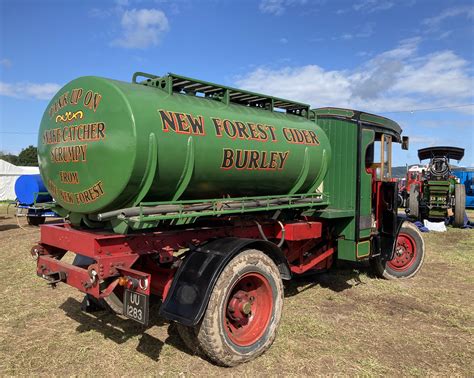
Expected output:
(8, 176)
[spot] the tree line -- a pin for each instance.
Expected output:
(27, 157)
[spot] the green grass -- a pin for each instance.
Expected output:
(341, 323)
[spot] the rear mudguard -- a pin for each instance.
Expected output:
(195, 279)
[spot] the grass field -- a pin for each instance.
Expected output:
(344, 322)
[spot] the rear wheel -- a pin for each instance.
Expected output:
(413, 203)
(243, 312)
(459, 204)
(408, 257)
(35, 221)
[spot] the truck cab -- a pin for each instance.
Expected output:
(363, 192)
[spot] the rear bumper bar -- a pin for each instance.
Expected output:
(111, 256)
(55, 271)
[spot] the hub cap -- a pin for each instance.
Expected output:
(248, 309)
(405, 253)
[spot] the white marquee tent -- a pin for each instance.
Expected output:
(8, 175)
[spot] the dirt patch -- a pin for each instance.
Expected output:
(343, 322)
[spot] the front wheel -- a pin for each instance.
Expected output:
(243, 312)
(408, 257)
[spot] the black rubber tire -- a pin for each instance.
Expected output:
(35, 221)
(413, 203)
(383, 270)
(459, 205)
(211, 334)
(399, 200)
(189, 337)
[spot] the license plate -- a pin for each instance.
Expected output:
(135, 306)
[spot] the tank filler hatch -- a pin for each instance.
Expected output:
(185, 85)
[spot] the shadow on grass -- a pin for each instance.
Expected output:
(24, 224)
(54, 221)
(10, 226)
(120, 330)
(345, 276)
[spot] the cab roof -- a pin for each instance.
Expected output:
(377, 123)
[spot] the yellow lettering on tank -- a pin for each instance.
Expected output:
(91, 194)
(253, 160)
(182, 123)
(88, 132)
(69, 154)
(91, 100)
(69, 177)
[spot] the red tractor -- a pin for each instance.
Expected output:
(413, 177)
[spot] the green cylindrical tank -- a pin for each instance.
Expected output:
(106, 144)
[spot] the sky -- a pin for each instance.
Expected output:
(409, 60)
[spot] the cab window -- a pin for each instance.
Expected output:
(379, 157)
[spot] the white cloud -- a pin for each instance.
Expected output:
(116, 8)
(43, 91)
(378, 78)
(446, 124)
(365, 31)
(100, 12)
(277, 7)
(142, 28)
(122, 3)
(300, 83)
(7, 63)
(284, 41)
(370, 6)
(439, 74)
(405, 49)
(397, 79)
(426, 141)
(445, 34)
(433, 23)
(364, 53)
(346, 36)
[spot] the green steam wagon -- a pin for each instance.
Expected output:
(439, 195)
(208, 197)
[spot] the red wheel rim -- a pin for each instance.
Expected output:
(405, 253)
(248, 309)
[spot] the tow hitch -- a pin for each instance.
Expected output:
(54, 278)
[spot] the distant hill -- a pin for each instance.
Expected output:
(399, 172)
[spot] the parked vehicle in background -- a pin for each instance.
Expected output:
(438, 195)
(414, 176)
(466, 177)
(32, 200)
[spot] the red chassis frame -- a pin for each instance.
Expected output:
(153, 254)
